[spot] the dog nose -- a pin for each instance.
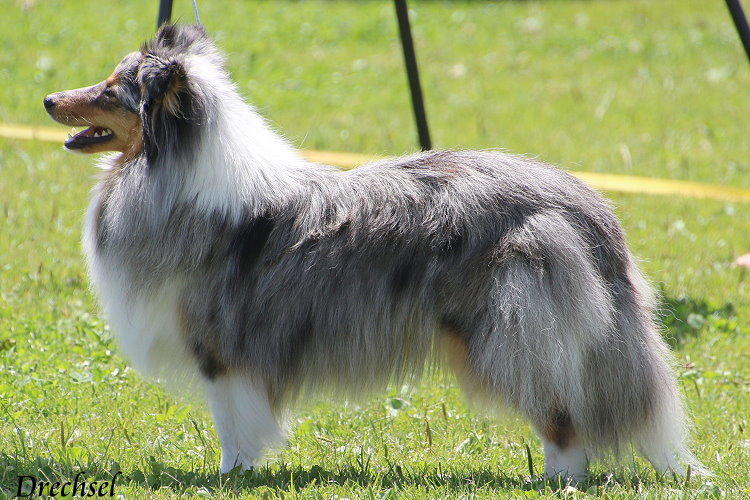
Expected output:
(48, 103)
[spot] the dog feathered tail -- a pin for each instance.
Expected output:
(563, 341)
(662, 434)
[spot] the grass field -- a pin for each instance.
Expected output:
(658, 89)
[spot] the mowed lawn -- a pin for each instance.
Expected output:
(658, 89)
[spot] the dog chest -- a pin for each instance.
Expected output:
(147, 324)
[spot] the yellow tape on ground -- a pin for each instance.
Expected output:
(668, 187)
(32, 132)
(345, 160)
(605, 182)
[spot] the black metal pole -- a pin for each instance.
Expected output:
(410, 59)
(165, 12)
(740, 22)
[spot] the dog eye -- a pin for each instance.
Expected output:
(108, 92)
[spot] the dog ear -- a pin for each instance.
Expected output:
(162, 82)
(170, 113)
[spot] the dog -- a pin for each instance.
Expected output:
(217, 251)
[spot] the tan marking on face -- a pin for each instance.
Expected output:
(134, 140)
(113, 79)
(80, 108)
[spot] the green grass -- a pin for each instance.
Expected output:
(649, 88)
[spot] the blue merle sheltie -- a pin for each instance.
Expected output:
(218, 251)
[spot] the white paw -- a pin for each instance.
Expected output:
(231, 462)
(566, 478)
(568, 464)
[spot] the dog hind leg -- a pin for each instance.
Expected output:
(564, 457)
(244, 421)
(546, 307)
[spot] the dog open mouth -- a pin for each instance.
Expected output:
(89, 136)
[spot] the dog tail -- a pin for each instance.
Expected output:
(635, 375)
(565, 345)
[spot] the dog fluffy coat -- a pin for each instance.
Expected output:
(216, 249)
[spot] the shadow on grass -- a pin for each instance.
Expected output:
(286, 478)
(155, 475)
(686, 317)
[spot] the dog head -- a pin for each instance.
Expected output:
(149, 103)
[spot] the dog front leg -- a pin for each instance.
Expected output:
(244, 420)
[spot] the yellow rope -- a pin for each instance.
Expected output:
(605, 182)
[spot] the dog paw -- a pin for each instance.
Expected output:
(565, 479)
(236, 464)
